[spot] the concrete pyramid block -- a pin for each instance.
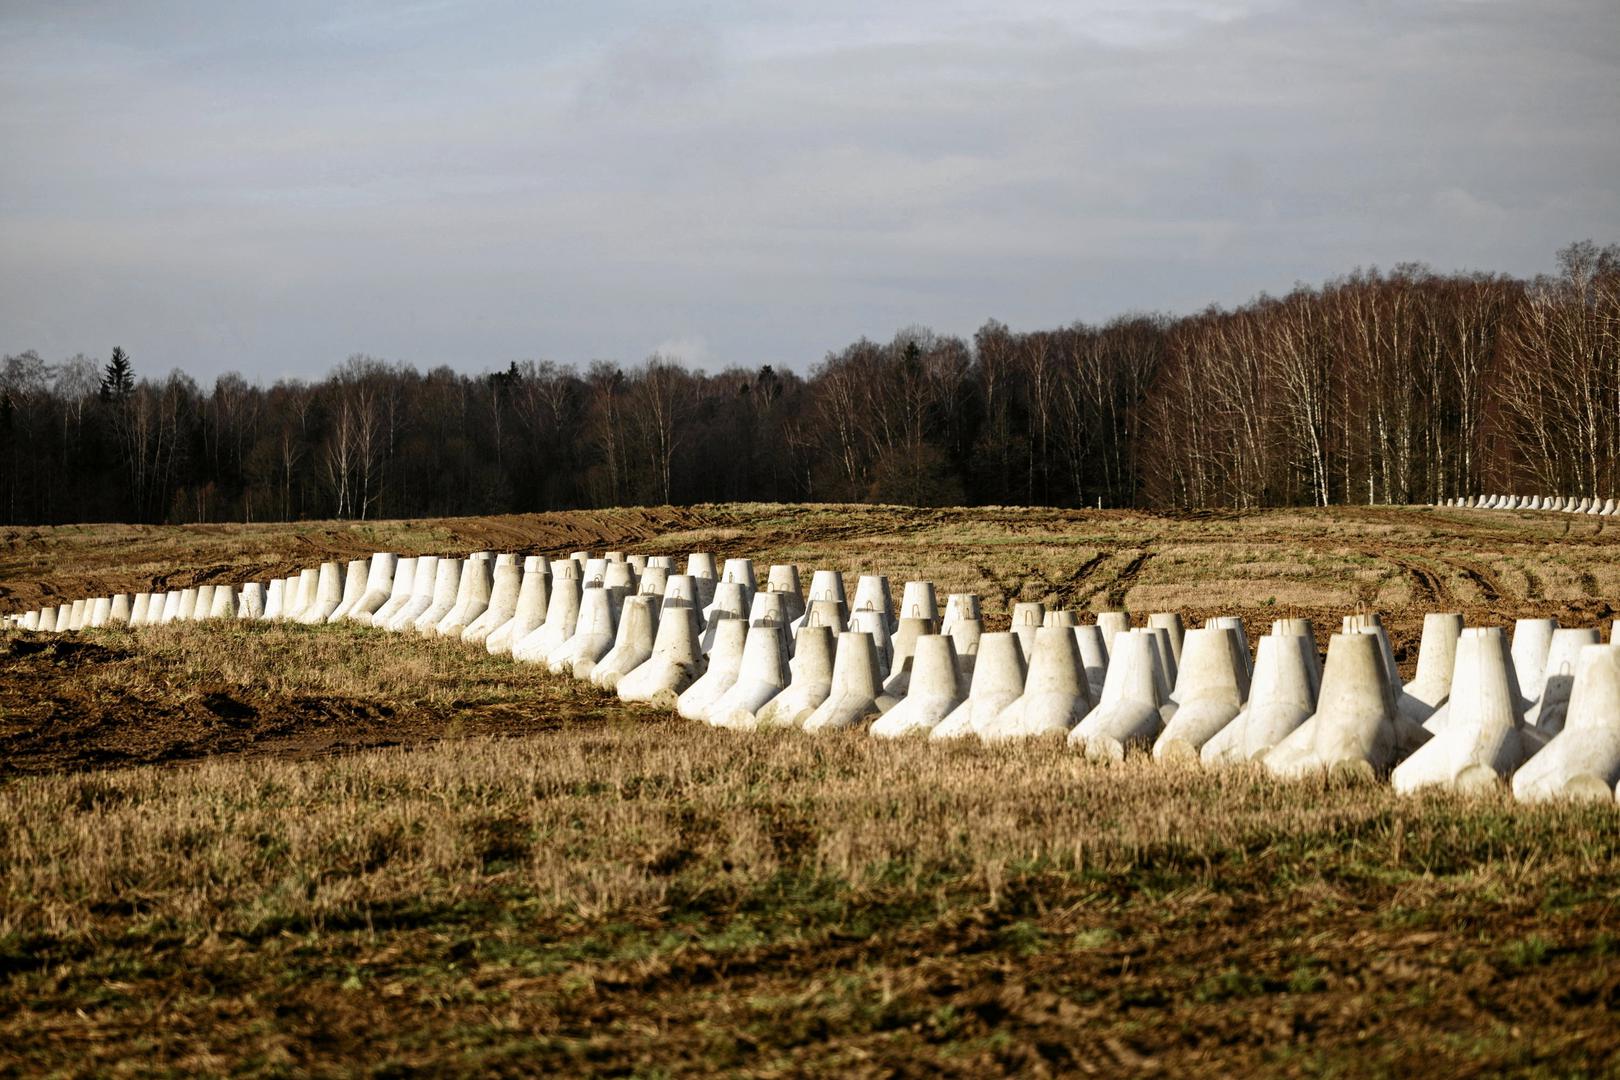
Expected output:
(1281, 698)
(595, 629)
(1093, 657)
(1558, 679)
(676, 661)
(1211, 686)
(998, 681)
(809, 684)
(935, 689)
(421, 596)
(730, 633)
(534, 598)
(632, 644)
(1583, 759)
(1128, 713)
(328, 594)
(1353, 728)
(505, 584)
(446, 585)
(1481, 739)
(1055, 697)
(855, 685)
(1027, 617)
(253, 601)
(762, 676)
(562, 615)
(354, 587)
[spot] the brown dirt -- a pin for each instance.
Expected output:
(51, 722)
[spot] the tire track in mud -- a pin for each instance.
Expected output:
(1115, 595)
(1490, 588)
(1428, 588)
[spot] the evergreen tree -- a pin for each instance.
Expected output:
(118, 379)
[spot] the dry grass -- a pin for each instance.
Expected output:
(629, 894)
(605, 890)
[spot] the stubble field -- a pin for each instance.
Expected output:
(279, 850)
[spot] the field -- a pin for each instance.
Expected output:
(281, 851)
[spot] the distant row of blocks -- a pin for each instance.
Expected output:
(1542, 710)
(1564, 503)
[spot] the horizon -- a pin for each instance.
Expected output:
(470, 184)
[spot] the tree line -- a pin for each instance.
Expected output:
(1377, 387)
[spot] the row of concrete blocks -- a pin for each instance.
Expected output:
(1542, 709)
(1568, 504)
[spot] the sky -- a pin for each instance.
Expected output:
(269, 188)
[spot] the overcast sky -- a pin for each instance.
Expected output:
(268, 188)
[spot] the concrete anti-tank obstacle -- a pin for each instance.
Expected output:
(904, 644)
(31, 621)
(1093, 657)
(78, 614)
(919, 601)
(46, 622)
(998, 681)
(687, 591)
(1210, 690)
(378, 589)
(354, 587)
(632, 644)
(638, 563)
(185, 610)
(935, 690)
(959, 606)
(872, 594)
(155, 608)
(100, 612)
(1481, 740)
(1437, 654)
(204, 607)
(562, 616)
(1170, 621)
(809, 681)
(825, 585)
(328, 595)
(446, 586)
(1112, 623)
(1234, 623)
(399, 594)
(472, 596)
(653, 580)
(1353, 728)
(741, 572)
(1055, 698)
(224, 605)
(729, 634)
(594, 630)
(1583, 760)
(422, 584)
(1281, 698)
(272, 599)
(507, 581)
(139, 609)
(728, 601)
(875, 622)
(676, 661)
(783, 578)
(701, 569)
(1167, 669)
(1128, 713)
(305, 597)
(1370, 622)
(64, 615)
(534, 599)
(1546, 716)
(253, 601)
(1532, 638)
(965, 635)
(1027, 617)
(762, 676)
(855, 686)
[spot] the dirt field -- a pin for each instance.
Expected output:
(276, 850)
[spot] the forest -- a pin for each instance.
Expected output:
(1395, 386)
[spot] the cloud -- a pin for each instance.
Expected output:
(465, 182)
